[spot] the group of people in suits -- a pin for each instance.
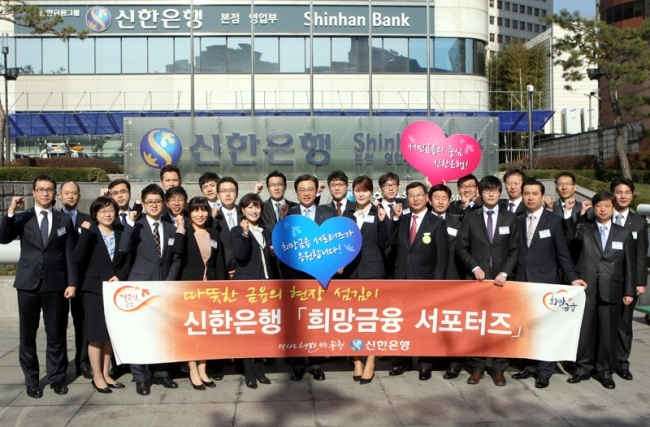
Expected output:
(525, 237)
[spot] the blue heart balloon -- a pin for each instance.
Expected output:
(319, 251)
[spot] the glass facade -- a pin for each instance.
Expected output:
(153, 55)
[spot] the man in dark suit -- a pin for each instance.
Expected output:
(208, 183)
(565, 186)
(469, 196)
(422, 254)
(306, 186)
(175, 201)
(623, 190)
(227, 218)
(69, 195)
(337, 182)
(489, 248)
(389, 184)
(120, 191)
(608, 264)
(276, 184)
(513, 179)
(152, 259)
(544, 251)
(45, 280)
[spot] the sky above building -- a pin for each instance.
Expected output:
(585, 7)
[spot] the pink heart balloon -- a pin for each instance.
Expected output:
(426, 147)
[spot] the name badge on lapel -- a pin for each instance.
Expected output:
(504, 230)
(79, 230)
(213, 243)
(370, 219)
(452, 231)
(426, 239)
(617, 245)
(544, 234)
(171, 241)
(634, 235)
(60, 231)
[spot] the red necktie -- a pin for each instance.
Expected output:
(414, 230)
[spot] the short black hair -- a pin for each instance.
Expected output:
(489, 183)
(152, 189)
(249, 198)
(466, 178)
(602, 196)
(43, 177)
(337, 175)
(514, 172)
(119, 181)
(100, 203)
(70, 182)
(439, 187)
(305, 177)
(621, 181)
(208, 177)
(170, 168)
(569, 174)
(416, 184)
(388, 176)
(276, 174)
(533, 181)
(175, 191)
(230, 180)
(199, 204)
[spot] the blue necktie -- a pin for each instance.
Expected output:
(45, 224)
(603, 236)
(123, 215)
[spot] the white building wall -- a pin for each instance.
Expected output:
(504, 10)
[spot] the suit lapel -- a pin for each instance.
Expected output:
(610, 237)
(56, 220)
(540, 226)
(595, 234)
(481, 223)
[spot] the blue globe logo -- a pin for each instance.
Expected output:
(98, 19)
(356, 344)
(160, 147)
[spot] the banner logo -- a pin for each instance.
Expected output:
(98, 19)
(356, 344)
(559, 301)
(160, 147)
(132, 298)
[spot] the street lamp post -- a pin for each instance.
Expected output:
(530, 89)
(591, 95)
(9, 74)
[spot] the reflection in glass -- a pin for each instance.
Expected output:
(82, 56)
(182, 54)
(349, 54)
(446, 55)
(266, 55)
(134, 55)
(417, 55)
(377, 57)
(239, 54)
(396, 54)
(322, 55)
(469, 56)
(107, 55)
(11, 58)
(480, 58)
(28, 56)
(292, 54)
(161, 59)
(213, 55)
(55, 56)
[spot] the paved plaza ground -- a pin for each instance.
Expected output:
(338, 401)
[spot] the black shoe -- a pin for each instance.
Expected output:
(86, 372)
(217, 376)
(607, 381)
(625, 374)
(297, 374)
(34, 392)
(356, 377)
(398, 370)
(264, 380)
(318, 374)
(251, 384)
(117, 371)
(451, 374)
(576, 378)
(142, 389)
(116, 385)
(59, 388)
(165, 382)
(210, 384)
(364, 381)
(198, 387)
(541, 382)
(425, 374)
(522, 375)
(106, 390)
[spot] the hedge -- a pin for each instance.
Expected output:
(69, 162)
(638, 161)
(555, 163)
(28, 174)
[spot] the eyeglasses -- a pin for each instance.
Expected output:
(44, 190)
(153, 202)
(564, 184)
(416, 196)
(389, 186)
(227, 190)
(306, 190)
(106, 212)
(118, 192)
(467, 187)
(491, 191)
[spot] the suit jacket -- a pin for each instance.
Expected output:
(52, 263)
(269, 219)
(146, 265)
(250, 265)
(166, 218)
(613, 271)
(391, 252)
(575, 212)
(475, 249)
(505, 204)
(428, 257)
(455, 268)
(547, 254)
(456, 208)
(639, 228)
(93, 260)
(376, 239)
(192, 266)
(220, 223)
(349, 204)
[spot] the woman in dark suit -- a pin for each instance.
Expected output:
(255, 261)
(101, 254)
(202, 258)
(369, 264)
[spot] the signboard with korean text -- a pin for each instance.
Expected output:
(156, 322)
(248, 148)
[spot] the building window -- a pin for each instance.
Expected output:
(507, 23)
(522, 9)
(536, 11)
(515, 7)
(500, 22)
(543, 28)
(492, 37)
(530, 10)
(530, 27)
(134, 55)
(162, 58)
(447, 55)
(491, 20)
(543, 13)
(107, 55)
(507, 6)
(499, 4)
(507, 39)
(500, 38)
(537, 28)
(515, 24)
(292, 55)
(28, 55)
(491, 3)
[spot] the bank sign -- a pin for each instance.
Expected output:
(151, 19)
(248, 148)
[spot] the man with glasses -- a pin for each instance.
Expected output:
(120, 191)
(565, 186)
(489, 248)
(514, 180)
(152, 260)
(422, 254)
(227, 218)
(469, 196)
(389, 184)
(46, 278)
(276, 207)
(337, 181)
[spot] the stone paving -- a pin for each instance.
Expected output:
(338, 401)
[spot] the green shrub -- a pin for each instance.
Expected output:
(556, 163)
(59, 174)
(638, 161)
(70, 162)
